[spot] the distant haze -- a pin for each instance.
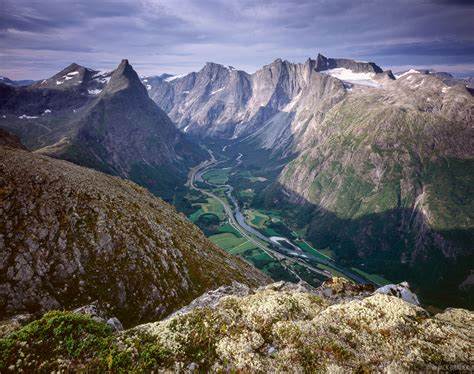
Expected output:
(38, 38)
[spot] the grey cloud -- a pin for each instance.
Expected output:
(37, 38)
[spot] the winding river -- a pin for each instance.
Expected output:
(237, 220)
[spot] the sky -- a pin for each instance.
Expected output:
(39, 38)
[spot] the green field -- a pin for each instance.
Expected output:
(212, 206)
(248, 193)
(377, 279)
(255, 218)
(307, 248)
(334, 272)
(232, 243)
(258, 218)
(218, 176)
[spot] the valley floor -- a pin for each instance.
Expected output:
(225, 213)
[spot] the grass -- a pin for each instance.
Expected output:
(228, 228)
(377, 279)
(217, 176)
(334, 272)
(212, 206)
(256, 219)
(62, 340)
(307, 248)
(259, 218)
(248, 193)
(228, 241)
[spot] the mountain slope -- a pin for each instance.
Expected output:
(105, 121)
(71, 235)
(389, 176)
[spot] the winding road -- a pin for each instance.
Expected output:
(237, 221)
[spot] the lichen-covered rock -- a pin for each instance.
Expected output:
(296, 331)
(70, 235)
(279, 328)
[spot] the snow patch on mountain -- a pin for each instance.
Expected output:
(349, 76)
(174, 77)
(24, 116)
(216, 91)
(411, 71)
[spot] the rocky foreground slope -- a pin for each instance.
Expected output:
(70, 235)
(337, 328)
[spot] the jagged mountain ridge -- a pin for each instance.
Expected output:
(71, 235)
(220, 101)
(105, 121)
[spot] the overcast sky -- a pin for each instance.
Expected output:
(39, 38)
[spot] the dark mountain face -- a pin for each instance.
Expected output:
(105, 121)
(71, 235)
(324, 63)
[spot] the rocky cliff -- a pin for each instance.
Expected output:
(389, 175)
(337, 328)
(70, 235)
(275, 106)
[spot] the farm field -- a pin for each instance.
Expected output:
(212, 206)
(230, 242)
(258, 218)
(218, 176)
(334, 272)
(377, 279)
(307, 248)
(247, 193)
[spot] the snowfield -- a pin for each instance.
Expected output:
(347, 75)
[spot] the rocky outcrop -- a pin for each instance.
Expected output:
(70, 235)
(278, 328)
(324, 63)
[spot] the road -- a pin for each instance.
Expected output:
(196, 175)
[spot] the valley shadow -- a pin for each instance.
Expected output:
(397, 244)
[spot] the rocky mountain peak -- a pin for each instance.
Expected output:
(124, 77)
(325, 63)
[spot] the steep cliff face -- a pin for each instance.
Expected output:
(278, 328)
(389, 173)
(273, 107)
(220, 101)
(70, 235)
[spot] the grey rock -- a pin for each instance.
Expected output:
(401, 290)
(212, 298)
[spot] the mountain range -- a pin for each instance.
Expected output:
(102, 120)
(381, 164)
(376, 167)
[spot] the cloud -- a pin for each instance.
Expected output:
(38, 38)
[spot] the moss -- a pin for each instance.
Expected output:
(57, 335)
